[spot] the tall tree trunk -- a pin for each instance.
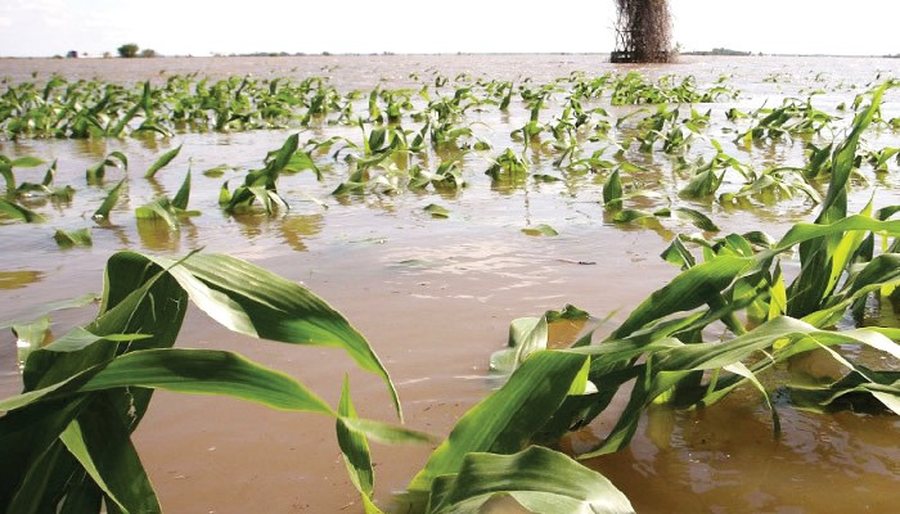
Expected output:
(643, 31)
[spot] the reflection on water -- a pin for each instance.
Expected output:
(726, 459)
(296, 228)
(157, 188)
(251, 225)
(156, 235)
(19, 279)
(94, 147)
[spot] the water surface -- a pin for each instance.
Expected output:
(435, 297)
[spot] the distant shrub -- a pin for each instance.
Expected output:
(128, 50)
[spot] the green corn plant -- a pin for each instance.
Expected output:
(379, 164)
(446, 178)
(15, 211)
(530, 132)
(676, 366)
(169, 211)
(260, 185)
(69, 239)
(162, 162)
(10, 208)
(772, 185)
(661, 347)
(115, 128)
(706, 177)
(508, 169)
(67, 436)
(879, 159)
(96, 173)
(112, 198)
(6, 170)
(793, 118)
(45, 187)
(633, 88)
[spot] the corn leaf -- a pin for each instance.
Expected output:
(163, 160)
(111, 199)
(355, 450)
(506, 420)
(537, 479)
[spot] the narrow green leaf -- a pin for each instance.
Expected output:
(697, 286)
(355, 450)
(30, 336)
(161, 208)
(80, 237)
(536, 480)
(206, 372)
(612, 191)
(437, 211)
(111, 199)
(184, 193)
(697, 218)
(386, 433)
(16, 211)
(252, 301)
(506, 420)
(163, 160)
(26, 162)
(73, 438)
(540, 230)
(101, 443)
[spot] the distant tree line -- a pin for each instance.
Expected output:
(719, 51)
(129, 50)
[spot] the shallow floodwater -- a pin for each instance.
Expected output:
(435, 296)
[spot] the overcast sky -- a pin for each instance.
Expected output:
(202, 27)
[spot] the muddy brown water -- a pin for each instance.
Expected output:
(435, 297)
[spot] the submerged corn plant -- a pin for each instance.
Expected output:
(664, 346)
(9, 205)
(794, 118)
(187, 103)
(260, 186)
(67, 437)
(743, 305)
(169, 211)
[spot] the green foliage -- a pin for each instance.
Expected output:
(96, 173)
(536, 480)
(507, 419)
(260, 185)
(170, 211)
(112, 197)
(163, 160)
(661, 346)
(128, 50)
(508, 169)
(436, 211)
(12, 210)
(80, 237)
(67, 435)
(730, 318)
(6, 170)
(793, 118)
(633, 88)
(540, 230)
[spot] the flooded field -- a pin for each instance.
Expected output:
(433, 276)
